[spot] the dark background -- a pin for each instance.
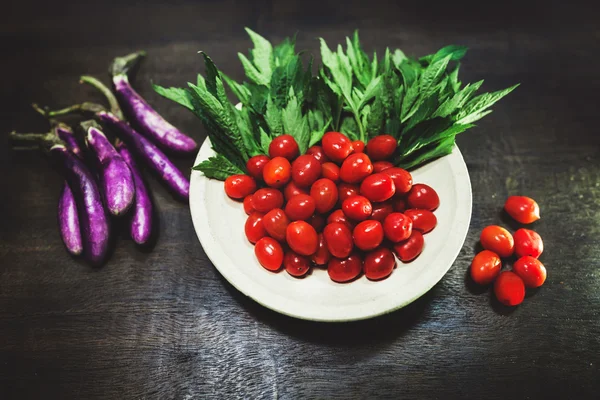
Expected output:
(164, 324)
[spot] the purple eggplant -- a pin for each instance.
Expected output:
(143, 116)
(115, 176)
(141, 220)
(68, 221)
(65, 133)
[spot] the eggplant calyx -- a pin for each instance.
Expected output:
(124, 65)
(110, 97)
(86, 125)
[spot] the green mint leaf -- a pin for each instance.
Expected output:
(178, 95)
(426, 154)
(455, 52)
(423, 111)
(218, 167)
(252, 72)
(240, 91)
(453, 79)
(262, 54)
(295, 124)
(371, 91)
(431, 77)
(265, 141)
(284, 52)
(430, 132)
(480, 103)
(349, 128)
(273, 118)
(398, 58)
(451, 104)
(317, 126)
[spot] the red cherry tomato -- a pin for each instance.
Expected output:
(381, 210)
(331, 171)
(355, 168)
(377, 187)
(485, 267)
(402, 179)
(276, 223)
(399, 204)
(325, 194)
(239, 186)
(277, 172)
(528, 243)
(379, 263)
(368, 235)
(302, 238)
(284, 146)
(381, 147)
(523, 209)
(317, 221)
(423, 220)
(255, 166)
(423, 196)
(339, 239)
(357, 208)
(291, 190)
(269, 253)
(346, 269)
(264, 200)
(248, 207)
(306, 170)
(339, 216)
(380, 166)
(497, 239)
(300, 207)
(322, 256)
(255, 228)
(531, 270)
(336, 146)
(410, 249)
(509, 288)
(397, 227)
(295, 264)
(358, 146)
(346, 190)
(317, 152)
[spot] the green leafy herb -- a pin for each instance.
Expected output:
(218, 167)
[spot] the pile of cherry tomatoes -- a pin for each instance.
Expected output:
(527, 245)
(341, 206)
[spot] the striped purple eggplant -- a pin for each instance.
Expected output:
(115, 176)
(68, 221)
(141, 220)
(142, 115)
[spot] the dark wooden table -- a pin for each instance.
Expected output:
(165, 325)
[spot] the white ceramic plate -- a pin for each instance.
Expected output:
(219, 223)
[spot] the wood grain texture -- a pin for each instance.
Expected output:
(165, 325)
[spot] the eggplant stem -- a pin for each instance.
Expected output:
(27, 137)
(112, 100)
(123, 65)
(83, 108)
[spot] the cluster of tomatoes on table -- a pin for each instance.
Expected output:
(499, 243)
(341, 205)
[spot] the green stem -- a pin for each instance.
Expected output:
(23, 140)
(339, 113)
(83, 108)
(361, 129)
(112, 100)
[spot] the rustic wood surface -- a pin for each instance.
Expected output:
(163, 324)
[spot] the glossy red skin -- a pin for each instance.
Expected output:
(269, 253)
(284, 146)
(276, 223)
(380, 166)
(368, 235)
(358, 146)
(317, 221)
(397, 227)
(248, 207)
(322, 255)
(485, 267)
(381, 147)
(302, 238)
(399, 204)
(305, 170)
(277, 172)
(339, 216)
(509, 288)
(255, 166)
(264, 200)
(422, 196)
(410, 249)
(254, 227)
(403, 181)
(331, 171)
(497, 239)
(325, 193)
(345, 270)
(295, 264)
(339, 239)
(291, 190)
(239, 186)
(300, 207)
(346, 190)
(381, 210)
(528, 243)
(336, 146)
(357, 208)
(317, 152)
(531, 270)
(423, 220)
(379, 264)
(522, 209)
(355, 168)
(378, 187)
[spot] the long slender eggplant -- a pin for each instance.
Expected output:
(65, 133)
(114, 173)
(141, 220)
(144, 117)
(68, 221)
